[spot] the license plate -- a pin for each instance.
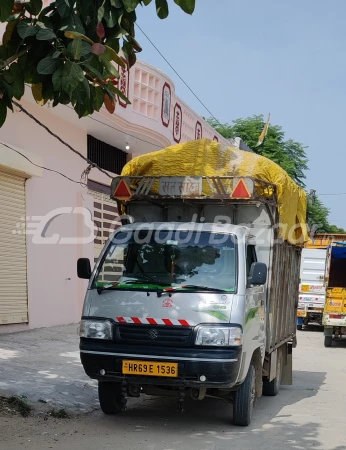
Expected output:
(301, 313)
(305, 287)
(149, 368)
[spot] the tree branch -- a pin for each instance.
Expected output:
(10, 60)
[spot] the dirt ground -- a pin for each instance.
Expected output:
(308, 415)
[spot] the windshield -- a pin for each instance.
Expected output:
(155, 259)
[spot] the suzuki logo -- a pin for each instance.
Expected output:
(153, 334)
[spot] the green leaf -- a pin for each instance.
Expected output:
(76, 48)
(114, 44)
(56, 54)
(94, 71)
(87, 10)
(72, 23)
(120, 4)
(111, 16)
(162, 8)
(83, 110)
(111, 70)
(37, 93)
(48, 89)
(130, 5)
(34, 7)
(146, 2)
(82, 93)
(120, 94)
(71, 77)
(63, 8)
(113, 56)
(46, 10)
(97, 97)
(86, 87)
(18, 80)
(3, 112)
(8, 76)
(64, 98)
(134, 44)
(187, 6)
(6, 7)
(57, 79)
(100, 13)
(29, 67)
(45, 34)
(48, 65)
(76, 35)
(25, 30)
(8, 32)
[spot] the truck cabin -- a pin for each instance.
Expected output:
(337, 269)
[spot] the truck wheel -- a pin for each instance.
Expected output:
(110, 397)
(244, 399)
(299, 327)
(328, 341)
(271, 388)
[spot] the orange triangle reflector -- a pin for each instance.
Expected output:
(241, 190)
(122, 191)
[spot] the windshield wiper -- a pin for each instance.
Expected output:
(115, 286)
(203, 288)
(170, 290)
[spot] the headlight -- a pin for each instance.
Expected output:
(219, 336)
(96, 329)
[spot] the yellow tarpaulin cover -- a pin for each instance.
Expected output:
(210, 158)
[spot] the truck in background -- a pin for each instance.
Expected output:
(334, 316)
(312, 291)
(312, 286)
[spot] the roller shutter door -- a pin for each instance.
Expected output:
(13, 257)
(106, 219)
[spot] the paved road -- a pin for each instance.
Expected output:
(308, 415)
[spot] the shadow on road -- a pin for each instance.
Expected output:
(208, 424)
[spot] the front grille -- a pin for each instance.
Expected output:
(155, 335)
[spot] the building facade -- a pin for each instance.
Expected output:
(48, 221)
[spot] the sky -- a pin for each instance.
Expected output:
(245, 57)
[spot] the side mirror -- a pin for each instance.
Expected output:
(258, 274)
(84, 268)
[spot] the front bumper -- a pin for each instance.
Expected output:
(219, 366)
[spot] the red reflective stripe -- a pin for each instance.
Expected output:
(151, 321)
(184, 323)
(136, 320)
(121, 320)
(167, 322)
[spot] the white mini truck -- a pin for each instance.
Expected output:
(194, 295)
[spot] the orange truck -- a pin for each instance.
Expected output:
(334, 314)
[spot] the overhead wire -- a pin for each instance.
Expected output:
(178, 75)
(61, 140)
(42, 167)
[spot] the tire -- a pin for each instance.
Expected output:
(328, 341)
(110, 397)
(299, 327)
(244, 399)
(271, 388)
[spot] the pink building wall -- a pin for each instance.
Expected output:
(55, 294)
